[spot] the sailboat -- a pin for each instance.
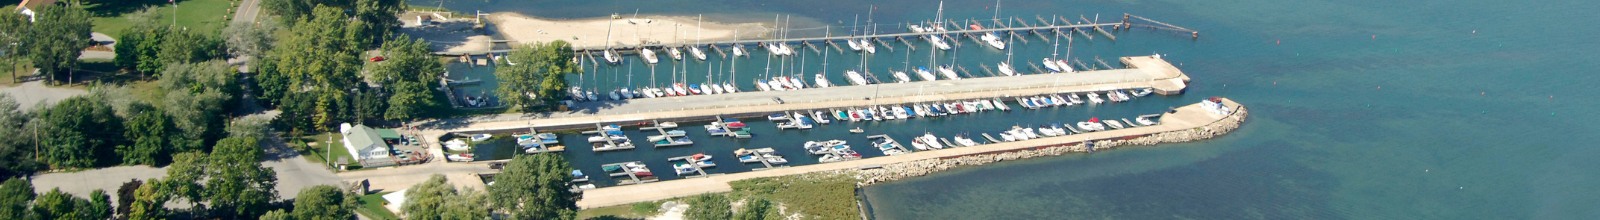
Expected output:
(1005, 68)
(822, 81)
(922, 71)
(675, 53)
(934, 38)
(948, 72)
(648, 55)
(695, 49)
(610, 55)
(901, 75)
(994, 41)
(855, 77)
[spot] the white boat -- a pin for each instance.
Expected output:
(776, 85)
(1095, 98)
(948, 72)
(901, 113)
(796, 83)
(901, 75)
(786, 49)
(456, 145)
(695, 50)
(853, 45)
(459, 157)
(822, 81)
(964, 141)
(994, 41)
(738, 51)
(931, 141)
(648, 55)
(1051, 64)
(1001, 105)
(675, 53)
(867, 46)
(606, 138)
(1005, 68)
(938, 42)
(612, 57)
(1142, 92)
(1144, 121)
(762, 85)
(855, 77)
(1064, 66)
(926, 75)
(481, 137)
(729, 88)
(917, 143)
(1006, 136)
(821, 117)
(915, 28)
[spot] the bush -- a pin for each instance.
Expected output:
(816, 196)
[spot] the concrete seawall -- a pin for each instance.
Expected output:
(1187, 123)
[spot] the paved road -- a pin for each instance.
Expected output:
(82, 182)
(32, 93)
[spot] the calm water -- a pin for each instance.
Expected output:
(1363, 109)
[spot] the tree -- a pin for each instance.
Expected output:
(183, 179)
(249, 39)
(16, 154)
(277, 215)
(139, 46)
(323, 202)
(126, 195)
(149, 201)
(12, 29)
(294, 10)
(148, 129)
(15, 194)
(535, 187)
(58, 36)
(436, 199)
(237, 186)
(317, 58)
(379, 17)
(59, 205)
(198, 97)
(409, 67)
(250, 127)
(540, 79)
(83, 133)
(467, 204)
(708, 207)
(758, 209)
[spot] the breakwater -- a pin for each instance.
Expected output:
(908, 169)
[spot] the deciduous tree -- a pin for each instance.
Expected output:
(323, 202)
(15, 195)
(83, 133)
(16, 152)
(708, 207)
(58, 36)
(237, 186)
(535, 187)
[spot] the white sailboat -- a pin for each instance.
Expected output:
(648, 55)
(923, 72)
(938, 42)
(901, 75)
(994, 41)
(867, 46)
(1051, 65)
(948, 73)
(855, 77)
(822, 81)
(675, 53)
(1005, 68)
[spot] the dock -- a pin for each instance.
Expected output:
(633, 177)
(696, 170)
(609, 144)
(1184, 118)
(991, 138)
(887, 140)
(765, 164)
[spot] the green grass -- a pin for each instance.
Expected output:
(817, 196)
(371, 205)
(316, 154)
(638, 210)
(208, 16)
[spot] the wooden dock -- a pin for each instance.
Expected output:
(699, 170)
(633, 177)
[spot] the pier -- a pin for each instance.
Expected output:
(694, 168)
(632, 176)
(1183, 119)
(761, 155)
(829, 40)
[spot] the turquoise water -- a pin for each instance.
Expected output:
(1366, 109)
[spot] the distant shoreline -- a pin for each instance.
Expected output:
(592, 32)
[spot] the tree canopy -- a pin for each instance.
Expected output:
(535, 187)
(236, 183)
(708, 207)
(15, 194)
(436, 199)
(539, 77)
(16, 152)
(406, 72)
(58, 36)
(323, 202)
(83, 133)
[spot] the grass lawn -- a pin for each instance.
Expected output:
(371, 205)
(208, 16)
(817, 196)
(632, 211)
(317, 153)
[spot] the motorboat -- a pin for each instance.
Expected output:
(1051, 64)
(1001, 105)
(821, 117)
(931, 141)
(964, 141)
(901, 75)
(948, 72)
(462, 157)
(901, 113)
(822, 147)
(1005, 68)
(1073, 98)
(1144, 121)
(777, 117)
(481, 137)
(1095, 98)
(1142, 92)
(994, 41)
(456, 145)
(648, 55)
(822, 81)
(923, 72)
(857, 130)
(1114, 124)
(1006, 136)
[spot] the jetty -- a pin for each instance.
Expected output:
(1141, 72)
(1187, 123)
(761, 156)
(631, 170)
(691, 167)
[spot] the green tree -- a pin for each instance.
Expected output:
(294, 10)
(406, 72)
(539, 79)
(323, 202)
(426, 200)
(185, 46)
(125, 196)
(466, 205)
(149, 201)
(13, 27)
(183, 178)
(535, 187)
(15, 194)
(277, 215)
(237, 186)
(198, 98)
(139, 46)
(83, 133)
(319, 58)
(250, 39)
(148, 129)
(708, 207)
(59, 205)
(16, 152)
(58, 36)
(379, 18)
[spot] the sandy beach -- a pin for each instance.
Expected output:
(624, 31)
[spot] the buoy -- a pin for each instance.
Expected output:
(1374, 37)
(1274, 83)
(1380, 87)
(1481, 93)
(1280, 42)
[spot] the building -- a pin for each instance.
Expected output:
(367, 145)
(30, 7)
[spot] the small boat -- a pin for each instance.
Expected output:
(857, 130)
(481, 137)
(738, 51)
(1144, 121)
(923, 72)
(867, 46)
(695, 50)
(964, 141)
(1065, 67)
(616, 94)
(917, 143)
(774, 160)
(456, 145)
(994, 41)
(856, 78)
(901, 75)
(938, 42)
(1006, 136)
(931, 141)
(1001, 105)
(612, 57)
(463, 157)
(777, 117)
(729, 88)
(854, 46)
(1142, 92)
(822, 81)
(577, 176)
(821, 117)
(948, 72)
(796, 83)
(1074, 98)
(1095, 98)
(1005, 68)
(648, 55)
(1114, 124)
(675, 53)
(1051, 65)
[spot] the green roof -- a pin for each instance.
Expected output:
(388, 134)
(362, 136)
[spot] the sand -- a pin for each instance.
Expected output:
(591, 32)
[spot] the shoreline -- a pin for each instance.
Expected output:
(592, 32)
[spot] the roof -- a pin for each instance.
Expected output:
(361, 137)
(388, 134)
(31, 4)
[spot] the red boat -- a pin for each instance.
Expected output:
(377, 58)
(976, 27)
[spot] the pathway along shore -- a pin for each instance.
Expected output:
(1187, 123)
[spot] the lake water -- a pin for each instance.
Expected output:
(1363, 109)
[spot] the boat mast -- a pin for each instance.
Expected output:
(938, 21)
(1056, 42)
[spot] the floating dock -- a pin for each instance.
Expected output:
(695, 168)
(633, 177)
